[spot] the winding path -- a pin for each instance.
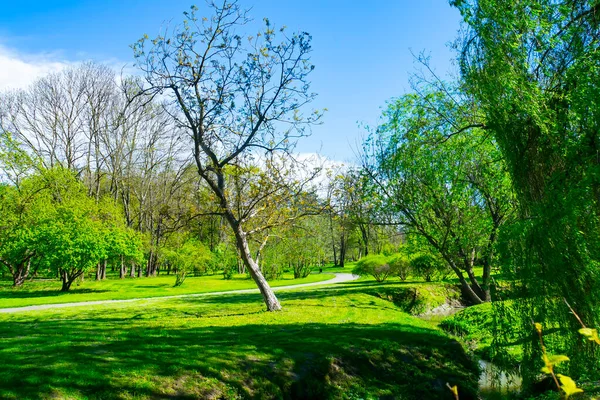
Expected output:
(339, 278)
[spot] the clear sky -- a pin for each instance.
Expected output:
(361, 49)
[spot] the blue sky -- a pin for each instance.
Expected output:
(361, 50)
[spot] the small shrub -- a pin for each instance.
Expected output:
(228, 272)
(400, 265)
(375, 265)
(180, 277)
(426, 266)
(272, 271)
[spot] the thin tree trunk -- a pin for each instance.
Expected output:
(98, 271)
(266, 291)
(104, 270)
(342, 251)
(365, 237)
(122, 270)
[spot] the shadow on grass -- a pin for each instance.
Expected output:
(386, 283)
(19, 293)
(402, 295)
(104, 358)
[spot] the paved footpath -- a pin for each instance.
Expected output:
(339, 278)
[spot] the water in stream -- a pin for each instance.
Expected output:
(494, 382)
(497, 384)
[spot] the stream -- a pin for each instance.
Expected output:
(494, 382)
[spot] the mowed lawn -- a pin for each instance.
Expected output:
(326, 344)
(48, 291)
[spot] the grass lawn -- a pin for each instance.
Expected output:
(340, 343)
(48, 291)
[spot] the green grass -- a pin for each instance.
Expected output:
(475, 326)
(339, 343)
(48, 291)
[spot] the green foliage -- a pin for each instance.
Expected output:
(418, 299)
(191, 257)
(299, 247)
(451, 190)
(50, 223)
(427, 266)
(15, 163)
(400, 264)
(225, 259)
(375, 265)
(532, 66)
(478, 326)
(24, 208)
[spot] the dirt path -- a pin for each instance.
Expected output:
(339, 278)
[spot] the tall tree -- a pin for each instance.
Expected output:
(444, 184)
(235, 96)
(533, 67)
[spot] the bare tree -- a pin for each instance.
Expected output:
(235, 97)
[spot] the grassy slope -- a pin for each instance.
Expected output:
(48, 292)
(475, 326)
(327, 343)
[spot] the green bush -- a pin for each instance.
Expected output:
(400, 265)
(427, 267)
(377, 266)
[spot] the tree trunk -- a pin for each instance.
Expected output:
(21, 273)
(99, 271)
(122, 270)
(342, 251)
(132, 274)
(149, 263)
(474, 283)
(466, 288)
(266, 291)
(333, 240)
(103, 277)
(67, 279)
(365, 238)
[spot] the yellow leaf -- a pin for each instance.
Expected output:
(453, 389)
(538, 327)
(551, 361)
(590, 334)
(568, 385)
(555, 359)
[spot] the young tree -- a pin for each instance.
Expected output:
(23, 205)
(23, 208)
(71, 238)
(449, 187)
(235, 97)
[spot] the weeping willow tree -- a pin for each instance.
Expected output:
(534, 67)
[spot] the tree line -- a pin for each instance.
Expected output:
(94, 169)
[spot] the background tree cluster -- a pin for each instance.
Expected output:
(127, 164)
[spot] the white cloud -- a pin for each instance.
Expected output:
(20, 70)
